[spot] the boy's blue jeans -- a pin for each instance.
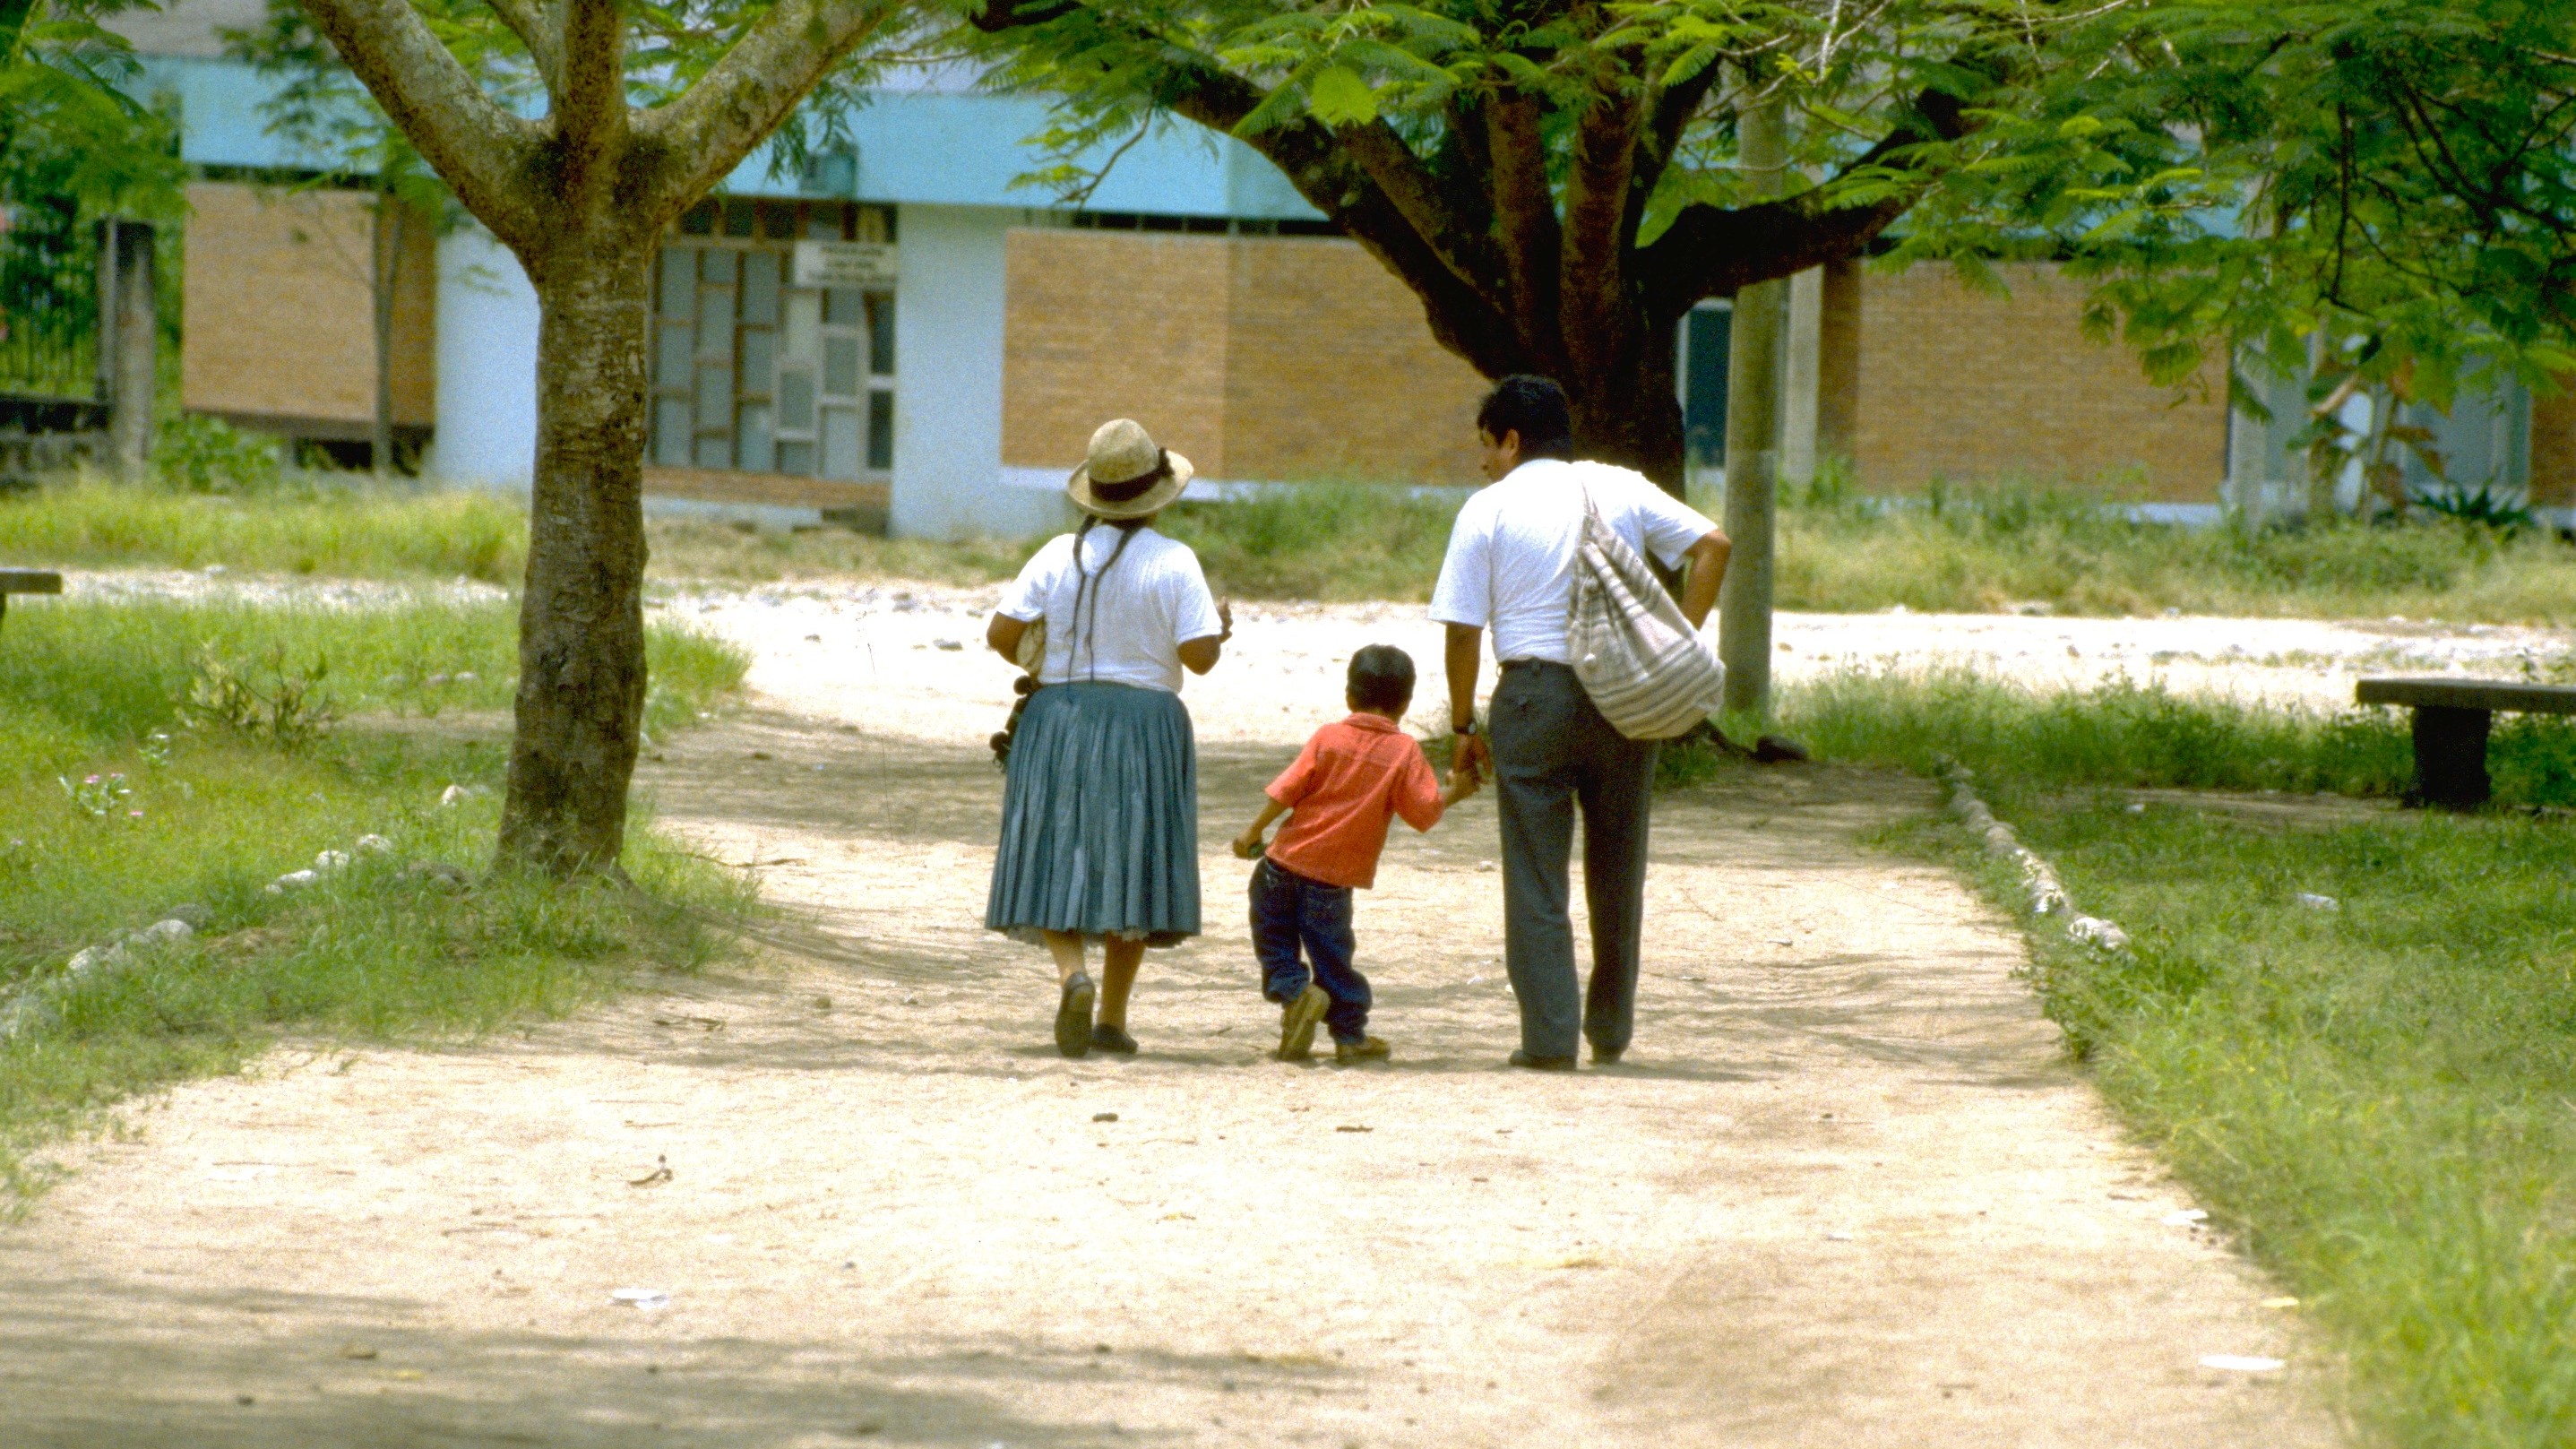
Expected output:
(1289, 910)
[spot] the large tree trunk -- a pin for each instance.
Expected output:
(581, 620)
(1635, 420)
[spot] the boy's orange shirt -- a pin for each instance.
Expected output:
(1352, 778)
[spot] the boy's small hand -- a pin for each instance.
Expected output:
(1248, 847)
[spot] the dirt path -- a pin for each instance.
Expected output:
(1845, 1192)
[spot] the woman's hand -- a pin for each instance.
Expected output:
(1002, 636)
(1200, 655)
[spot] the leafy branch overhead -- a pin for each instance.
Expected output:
(1557, 181)
(2385, 188)
(1400, 109)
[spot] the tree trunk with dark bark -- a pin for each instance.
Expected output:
(581, 620)
(580, 195)
(1634, 419)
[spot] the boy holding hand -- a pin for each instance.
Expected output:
(1353, 777)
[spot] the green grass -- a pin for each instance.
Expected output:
(345, 530)
(2381, 1097)
(1957, 550)
(2125, 734)
(1978, 550)
(1333, 541)
(213, 816)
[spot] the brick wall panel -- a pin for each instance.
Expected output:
(1099, 325)
(277, 314)
(1331, 371)
(1965, 386)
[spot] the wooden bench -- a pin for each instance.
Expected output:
(2452, 717)
(26, 581)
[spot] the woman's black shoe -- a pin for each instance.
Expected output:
(1073, 1017)
(1542, 1064)
(1107, 1038)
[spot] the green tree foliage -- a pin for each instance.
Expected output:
(71, 131)
(2373, 193)
(1557, 181)
(2385, 187)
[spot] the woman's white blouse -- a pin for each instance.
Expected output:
(1153, 602)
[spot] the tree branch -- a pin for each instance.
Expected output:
(708, 131)
(590, 108)
(540, 33)
(1525, 220)
(1709, 252)
(1593, 276)
(476, 145)
(1469, 316)
(1675, 106)
(1418, 197)
(1463, 317)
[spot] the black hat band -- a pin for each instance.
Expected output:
(1128, 489)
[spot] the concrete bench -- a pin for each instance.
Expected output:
(26, 581)
(2452, 717)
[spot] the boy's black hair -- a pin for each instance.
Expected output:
(1535, 408)
(1381, 679)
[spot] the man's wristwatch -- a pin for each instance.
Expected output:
(1469, 728)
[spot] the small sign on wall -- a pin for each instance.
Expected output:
(845, 264)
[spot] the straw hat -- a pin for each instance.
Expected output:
(1127, 475)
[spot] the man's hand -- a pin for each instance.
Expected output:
(1707, 564)
(1249, 845)
(1470, 759)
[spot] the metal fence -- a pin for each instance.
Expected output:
(49, 298)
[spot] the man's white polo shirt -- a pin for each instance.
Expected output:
(1511, 556)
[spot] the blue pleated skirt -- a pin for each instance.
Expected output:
(1100, 818)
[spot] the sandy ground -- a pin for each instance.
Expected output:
(828, 648)
(1846, 1190)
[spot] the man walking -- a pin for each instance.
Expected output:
(1510, 568)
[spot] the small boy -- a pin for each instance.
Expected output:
(1353, 776)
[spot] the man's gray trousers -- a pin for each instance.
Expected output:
(1554, 754)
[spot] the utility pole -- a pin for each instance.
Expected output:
(1753, 433)
(128, 331)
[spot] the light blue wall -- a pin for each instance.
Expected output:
(947, 160)
(945, 148)
(948, 480)
(487, 364)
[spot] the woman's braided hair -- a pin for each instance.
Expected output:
(1085, 590)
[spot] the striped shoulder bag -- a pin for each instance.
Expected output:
(1647, 670)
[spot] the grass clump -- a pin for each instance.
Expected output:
(2128, 734)
(115, 813)
(1976, 550)
(1329, 541)
(1967, 550)
(2376, 1093)
(309, 526)
(685, 549)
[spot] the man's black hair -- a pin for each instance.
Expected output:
(1533, 407)
(1381, 679)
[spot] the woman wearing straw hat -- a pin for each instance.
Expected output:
(1100, 807)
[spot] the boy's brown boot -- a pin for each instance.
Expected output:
(1366, 1049)
(1297, 1021)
